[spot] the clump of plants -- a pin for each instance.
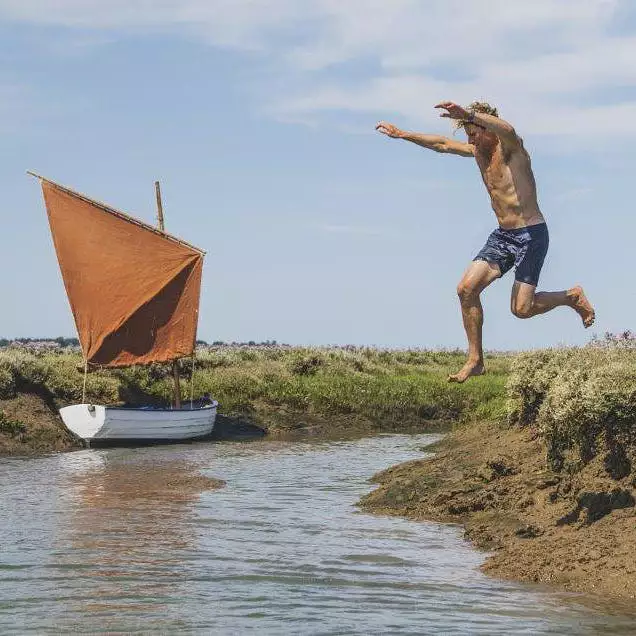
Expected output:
(11, 427)
(531, 377)
(56, 375)
(582, 400)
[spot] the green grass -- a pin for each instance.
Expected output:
(10, 427)
(372, 383)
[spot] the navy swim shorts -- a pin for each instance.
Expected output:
(523, 247)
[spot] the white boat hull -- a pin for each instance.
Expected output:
(92, 422)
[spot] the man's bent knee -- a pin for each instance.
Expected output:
(522, 311)
(465, 291)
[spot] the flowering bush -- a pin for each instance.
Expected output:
(623, 340)
(583, 401)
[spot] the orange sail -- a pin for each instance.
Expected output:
(133, 290)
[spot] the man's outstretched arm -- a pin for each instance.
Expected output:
(500, 127)
(433, 142)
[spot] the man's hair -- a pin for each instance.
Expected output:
(477, 107)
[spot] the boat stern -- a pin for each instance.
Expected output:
(83, 420)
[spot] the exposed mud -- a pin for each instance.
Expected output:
(281, 423)
(30, 425)
(573, 529)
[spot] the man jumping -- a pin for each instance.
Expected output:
(522, 236)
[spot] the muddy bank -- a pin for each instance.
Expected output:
(282, 422)
(575, 529)
(30, 424)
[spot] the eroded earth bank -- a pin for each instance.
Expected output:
(576, 530)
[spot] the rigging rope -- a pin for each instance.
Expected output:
(85, 374)
(192, 381)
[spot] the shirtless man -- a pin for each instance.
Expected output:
(522, 236)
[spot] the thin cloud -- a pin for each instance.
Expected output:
(551, 65)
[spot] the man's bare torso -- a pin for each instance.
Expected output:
(508, 177)
(502, 159)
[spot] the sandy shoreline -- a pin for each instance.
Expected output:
(576, 531)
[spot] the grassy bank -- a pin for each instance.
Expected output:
(552, 490)
(278, 388)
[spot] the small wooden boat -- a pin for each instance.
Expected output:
(92, 422)
(134, 292)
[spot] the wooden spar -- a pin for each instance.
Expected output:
(115, 212)
(175, 363)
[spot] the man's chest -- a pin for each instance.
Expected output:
(500, 170)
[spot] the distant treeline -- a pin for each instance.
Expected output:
(74, 342)
(249, 343)
(60, 341)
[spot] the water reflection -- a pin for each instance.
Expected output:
(131, 530)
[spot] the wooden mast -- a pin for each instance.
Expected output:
(175, 363)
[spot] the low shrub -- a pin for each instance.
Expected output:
(582, 400)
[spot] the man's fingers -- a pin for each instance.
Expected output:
(385, 128)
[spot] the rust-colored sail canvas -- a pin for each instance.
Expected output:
(134, 292)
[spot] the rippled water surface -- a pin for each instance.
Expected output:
(126, 540)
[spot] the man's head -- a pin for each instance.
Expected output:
(478, 134)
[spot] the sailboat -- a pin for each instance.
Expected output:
(134, 292)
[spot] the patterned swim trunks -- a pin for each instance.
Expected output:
(523, 247)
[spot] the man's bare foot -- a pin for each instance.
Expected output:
(469, 369)
(582, 305)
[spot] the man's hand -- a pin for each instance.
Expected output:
(454, 110)
(389, 129)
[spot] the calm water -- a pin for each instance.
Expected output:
(101, 541)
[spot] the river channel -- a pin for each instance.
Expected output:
(132, 540)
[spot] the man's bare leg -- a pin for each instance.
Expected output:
(476, 278)
(526, 302)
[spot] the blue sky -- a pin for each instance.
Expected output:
(258, 119)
